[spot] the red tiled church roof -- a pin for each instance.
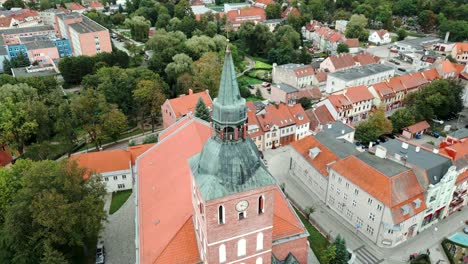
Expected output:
(184, 104)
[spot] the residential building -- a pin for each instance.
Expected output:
(96, 5)
(415, 45)
(309, 29)
(339, 130)
(379, 198)
(383, 95)
(415, 130)
(460, 52)
(361, 75)
(353, 45)
(290, 10)
(226, 207)
(235, 6)
(380, 37)
(6, 22)
(281, 92)
(435, 173)
(326, 39)
(449, 69)
(174, 109)
(340, 25)
(86, 36)
(12, 36)
(252, 14)
(272, 23)
(75, 7)
(296, 75)
(48, 16)
(262, 3)
(345, 61)
(26, 18)
(319, 116)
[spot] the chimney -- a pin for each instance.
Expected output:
(447, 35)
(313, 152)
(381, 152)
(404, 145)
(418, 148)
(238, 12)
(190, 91)
(435, 151)
(329, 126)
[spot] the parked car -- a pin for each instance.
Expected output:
(402, 70)
(436, 120)
(394, 61)
(251, 86)
(266, 84)
(100, 253)
(392, 136)
(383, 138)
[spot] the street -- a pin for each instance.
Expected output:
(331, 224)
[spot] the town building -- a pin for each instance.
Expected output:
(415, 130)
(262, 3)
(75, 7)
(290, 11)
(383, 95)
(460, 52)
(448, 69)
(226, 207)
(281, 92)
(345, 61)
(361, 75)
(12, 36)
(319, 116)
(353, 45)
(272, 23)
(86, 36)
(5, 155)
(48, 15)
(252, 14)
(96, 5)
(380, 37)
(174, 109)
(435, 173)
(340, 25)
(296, 75)
(415, 45)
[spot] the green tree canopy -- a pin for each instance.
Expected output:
(139, 27)
(342, 48)
(375, 126)
(149, 94)
(201, 111)
(402, 118)
(341, 253)
(273, 11)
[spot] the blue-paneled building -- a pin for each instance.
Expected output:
(63, 47)
(14, 50)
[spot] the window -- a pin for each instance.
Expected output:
(338, 192)
(241, 247)
(369, 201)
(332, 187)
(120, 186)
(222, 253)
(200, 206)
(221, 215)
(372, 216)
(432, 198)
(359, 222)
(106, 178)
(379, 207)
(340, 179)
(259, 241)
(370, 230)
(354, 203)
(331, 200)
(261, 204)
(356, 191)
(390, 231)
(259, 260)
(242, 215)
(115, 177)
(349, 214)
(347, 185)
(345, 196)
(124, 177)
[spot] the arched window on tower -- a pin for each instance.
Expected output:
(222, 253)
(261, 204)
(221, 219)
(241, 247)
(259, 241)
(259, 260)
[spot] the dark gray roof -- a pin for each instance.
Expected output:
(87, 26)
(68, 15)
(39, 45)
(419, 42)
(3, 51)
(385, 166)
(286, 88)
(23, 72)
(339, 147)
(26, 29)
(292, 66)
(460, 133)
(224, 168)
(361, 71)
(435, 165)
(272, 21)
(337, 129)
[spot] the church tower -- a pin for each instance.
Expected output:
(233, 192)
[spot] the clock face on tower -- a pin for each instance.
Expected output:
(242, 206)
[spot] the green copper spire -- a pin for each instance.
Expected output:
(229, 107)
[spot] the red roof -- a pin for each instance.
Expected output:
(299, 114)
(185, 104)
(95, 4)
(290, 10)
(358, 94)
(5, 22)
(245, 15)
(413, 80)
(352, 42)
(312, 93)
(319, 116)
(136, 151)
(339, 101)
(164, 192)
(460, 48)
(462, 177)
(366, 58)
(341, 61)
(456, 151)
(264, 2)
(431, 74)
(76, 6)
(381, 33)
(418, 127)
(383, 90)
(304, 71)
(321, 76)
(5, 156)
(321, 160)
(104, 161)
(285, 221)
(278, 115)
(395, 84)
(25, 14)
(395, 191)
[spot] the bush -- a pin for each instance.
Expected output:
(150, 139)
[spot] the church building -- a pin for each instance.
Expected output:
(205, 196)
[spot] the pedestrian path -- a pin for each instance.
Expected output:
(364, 256)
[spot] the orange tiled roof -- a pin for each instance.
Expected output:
(278, 115)
(383, 90)
(285, 221)
(5, 157)
(352, 42)
(395, 84)
(247, 14)
(381, 33)
(394, 192)
(321, 160)
(290, 10)
(448, 67)
(304, 71)
(358, 94)
(5, 22)
(265, 2)
(319, 116)
(25, 14)
(164, 193)
(366, 58)
(339, 101)
(462, 177)
(413, 80)
(418, 127)
(299, 114)
(104, 161)
(341, 61)
(184, 104)
(456, 151)
(95, 4)
(183, 247)
(76, 6)
(136, 151)
(461, 47)
(431, 74)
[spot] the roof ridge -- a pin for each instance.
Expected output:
(172, 239)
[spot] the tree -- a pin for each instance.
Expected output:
(255, 38)
(198, 45)
(54, 214)
(273, 11)
(427, 20)
(404, 8)
(402, 34)
(114, 122)
(328, 254)
(181, 64)
(182, 9)
(341, 253)
(342, 48)
(356, 28)
(139, 27)
(149, 94)
(305, 102)
(366, 132)
(17, 125)
(402, 118)
(65, 127)
(371, 129)
(73, 69)
(201, 111)
(458, 29)
(9, 4)
(207, 73)
(383, 13)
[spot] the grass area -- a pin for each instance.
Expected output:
(260, 59)
(108, 140)
(262, 65)
(253, 99)
(118, 199)
(249, 80)
(318, 243)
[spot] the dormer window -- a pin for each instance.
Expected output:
(221, 219)
(261, 205)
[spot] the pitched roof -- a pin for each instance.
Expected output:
(339, 101)
(319, 116)
(104, 161)
(5, 156)
(383, 90)
(462, 177)
(184, 104)
(448, 67)
(285, 221)
(366, 58)
(312, 93)
(413, 80)
(321, 76)
(25, 14)
(456, 151)
(358, 94)
(341, 61)
(247, 14)
(431, 74)
(418, 127)
(352, 42)
(299, 114)
(460, 47)
(136, 151)
(321, 160)
(306, 70)
(95, 4)
(5, 22)
(290, 10)
(394, 191)
(76, 6)
(278, 115)
(381, 33)
(164, 192)
(395, 84)
(264, 2)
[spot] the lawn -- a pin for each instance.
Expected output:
(249, 80)
(253, 99)
(414, 34)
(118, 199)
(318, 243)
(262, 65)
